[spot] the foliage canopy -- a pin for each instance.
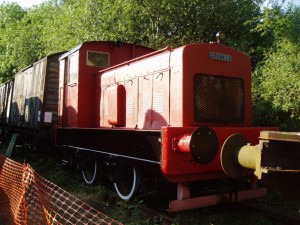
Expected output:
(58, 25)
(268, 35)
(276, 80)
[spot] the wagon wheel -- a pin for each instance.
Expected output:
(127, 181)
(89, 172)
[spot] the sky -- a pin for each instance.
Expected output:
(296, 2)
(26, 3)
(29, 3)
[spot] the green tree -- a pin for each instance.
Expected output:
(158, 23)
(27, 45)
(276, 81)
(10, 15)
(58, 25)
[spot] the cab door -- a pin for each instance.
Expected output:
(71, 91)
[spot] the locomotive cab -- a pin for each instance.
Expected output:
(77, 78)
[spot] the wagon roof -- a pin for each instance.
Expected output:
(50, 55)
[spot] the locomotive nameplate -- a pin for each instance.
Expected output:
(220, 56)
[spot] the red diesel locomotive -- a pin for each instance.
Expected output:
(168, 112)
(136, 114)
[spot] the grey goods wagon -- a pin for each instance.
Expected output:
(29, 103)
(5, 100)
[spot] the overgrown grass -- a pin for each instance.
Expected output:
(99, 197)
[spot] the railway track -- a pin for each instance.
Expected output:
(158, 218)
(249, 212)
(274, 214)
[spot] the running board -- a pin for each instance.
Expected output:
(210, 200)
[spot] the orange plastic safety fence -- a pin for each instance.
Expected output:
(26, 198)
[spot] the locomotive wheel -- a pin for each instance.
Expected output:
(127, 181)
(89, 172)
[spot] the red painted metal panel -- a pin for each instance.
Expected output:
(239, 67)
(131, 87)
(194, 59)
(72, 105)
(145, 102)
(146, 83)
(161, 94)
(116, 110)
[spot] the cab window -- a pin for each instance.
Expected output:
(99, 59)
